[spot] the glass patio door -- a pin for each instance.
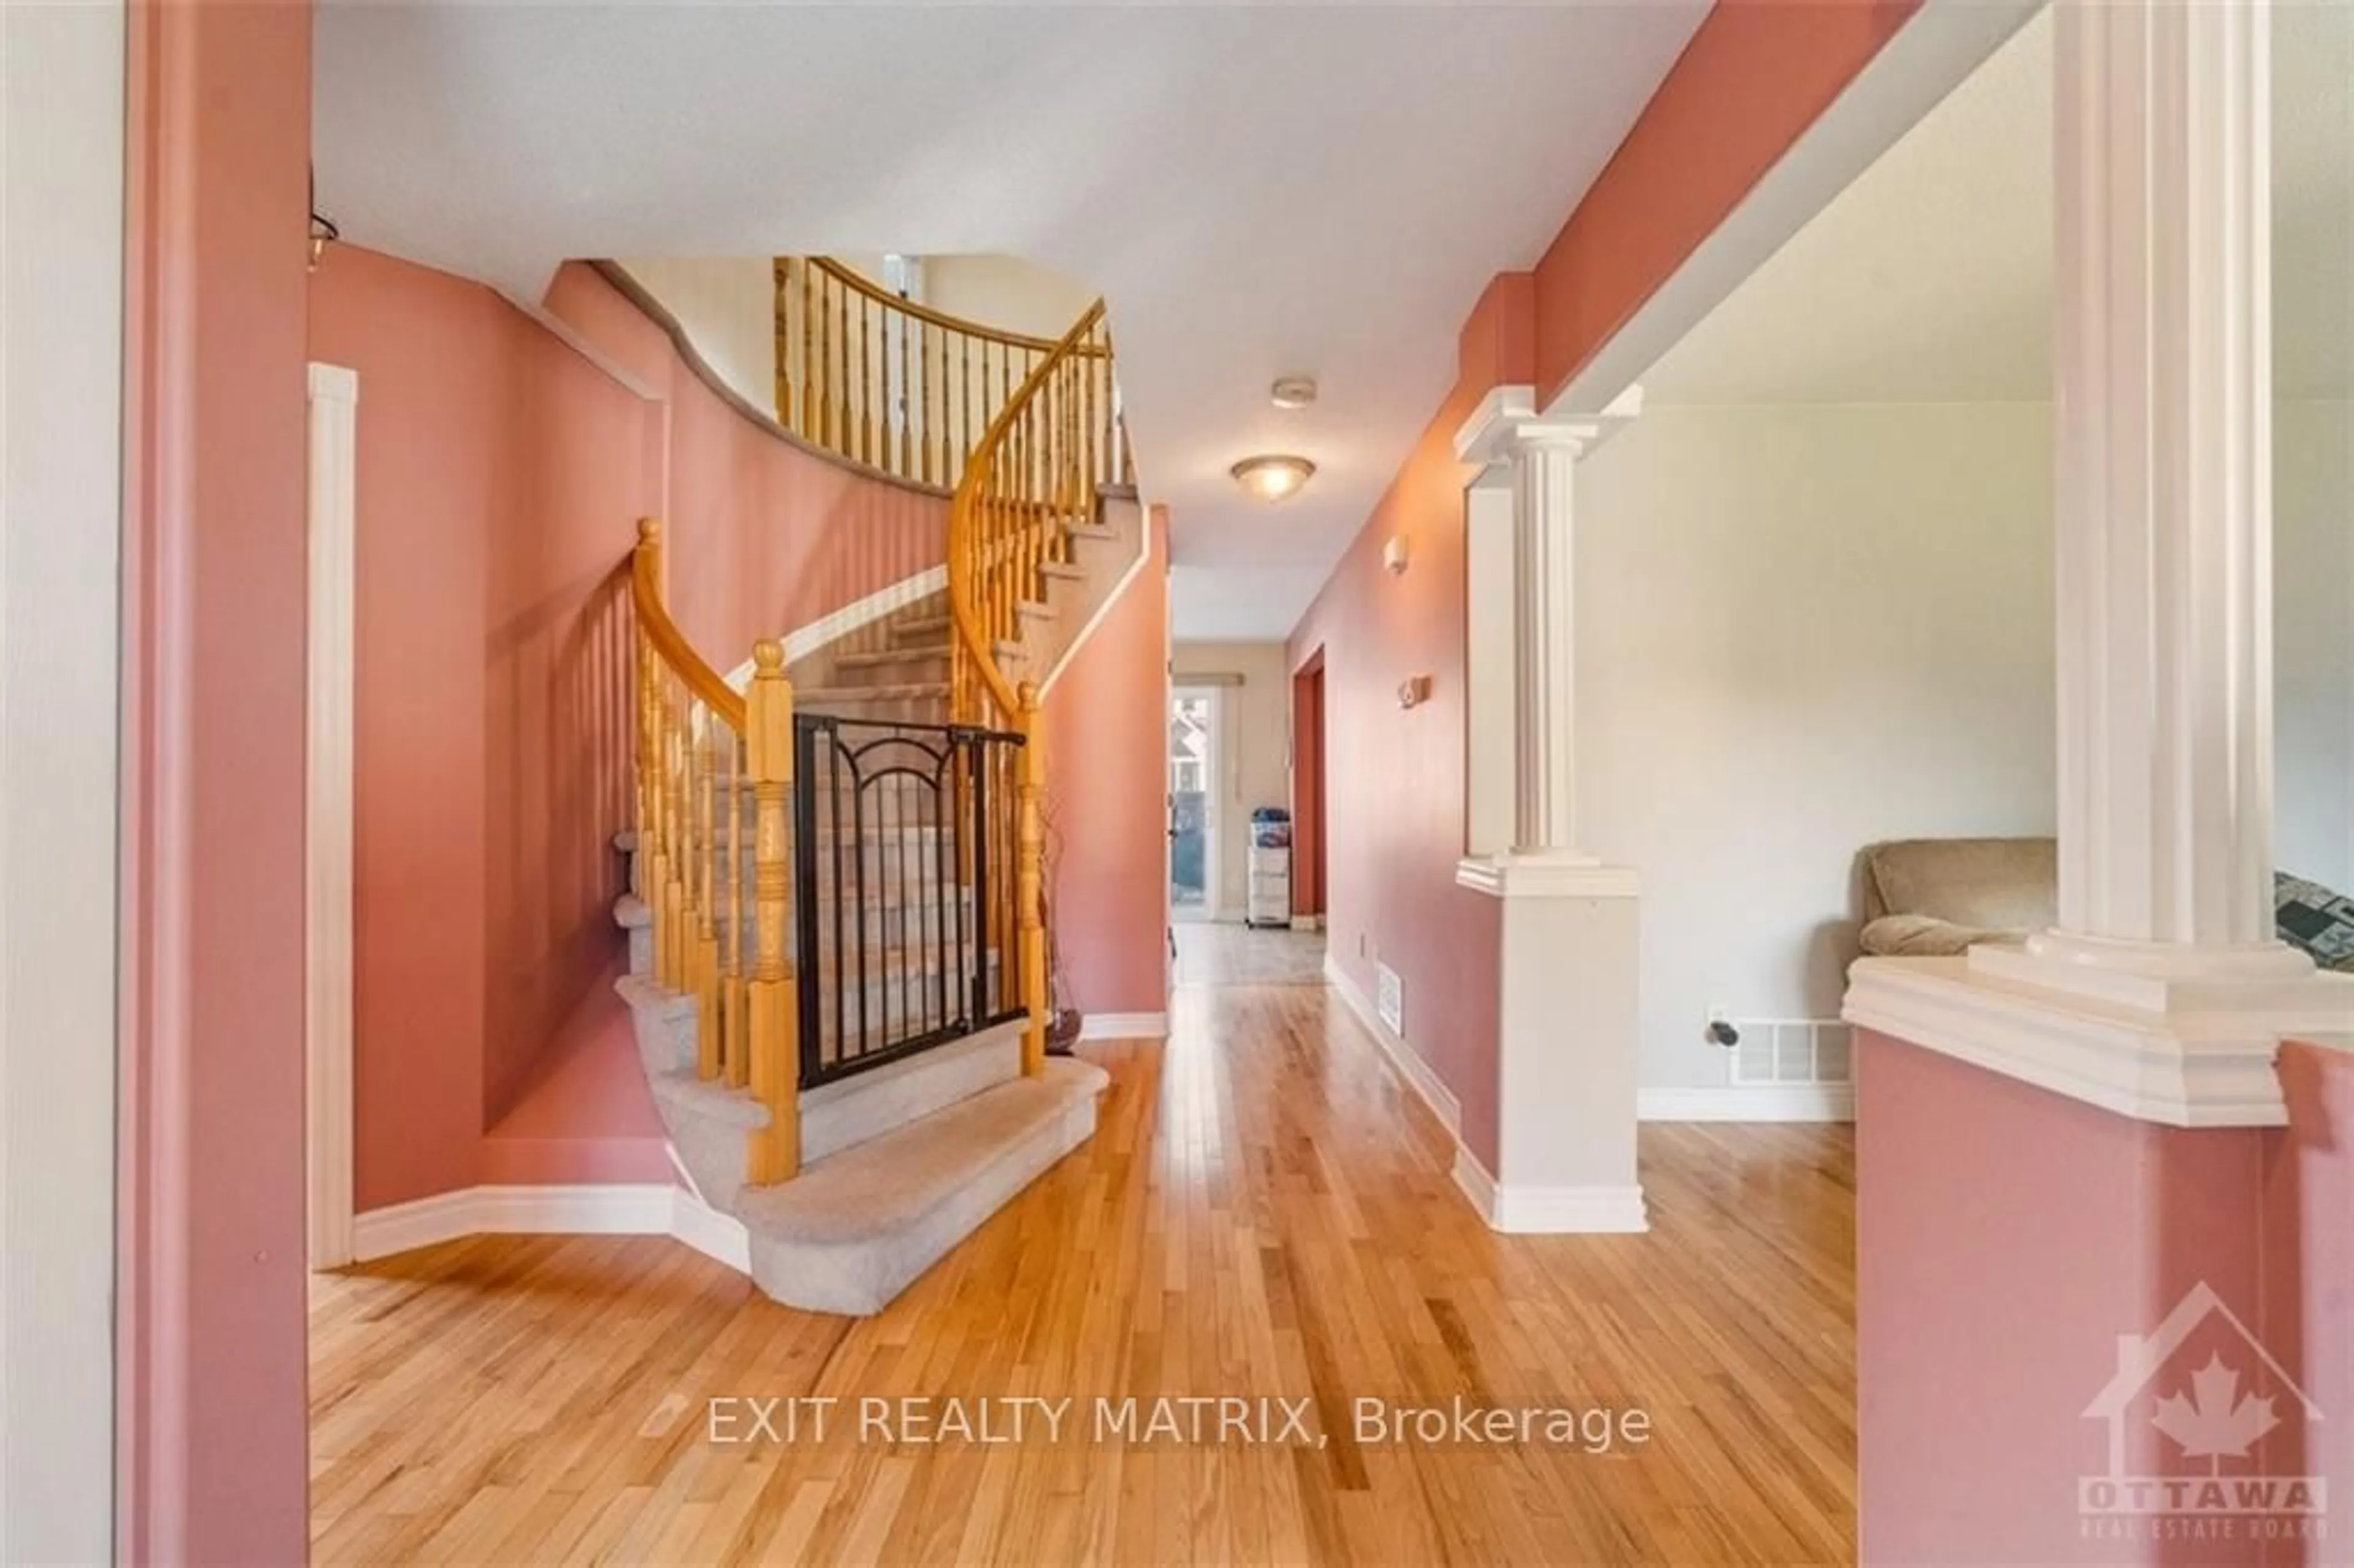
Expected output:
(1193, 803)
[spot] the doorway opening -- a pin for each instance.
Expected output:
(1308, 814)
(1194, 763)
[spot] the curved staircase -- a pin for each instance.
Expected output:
(837, 976)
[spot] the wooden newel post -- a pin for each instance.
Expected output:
(645, 565)
(1030, 881)
(776, 1149)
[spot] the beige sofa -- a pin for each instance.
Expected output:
(1937, 897)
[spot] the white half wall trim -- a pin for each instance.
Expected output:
(62, 259)
(327, 820)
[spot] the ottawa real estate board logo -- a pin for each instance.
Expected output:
(2206, 1437)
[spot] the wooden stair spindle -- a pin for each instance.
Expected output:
(704, 967)
(1030, 887)
(734, 1026)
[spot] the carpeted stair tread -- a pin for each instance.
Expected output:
(905, 654)
(908, 691)
(891, 1183)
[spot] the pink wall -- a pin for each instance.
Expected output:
(2008, 1236)
(501, 475)
(1106, 798)
(1394, 778)
(1754, 76)
(766, 535)
(212, 1292)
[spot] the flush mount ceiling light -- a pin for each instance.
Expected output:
(1274, 477)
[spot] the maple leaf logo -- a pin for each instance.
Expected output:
(2215, 1421)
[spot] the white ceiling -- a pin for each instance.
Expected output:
(1929, 279)
(1257, 188)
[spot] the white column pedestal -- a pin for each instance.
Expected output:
(1568, 1049)
(1566, 1009)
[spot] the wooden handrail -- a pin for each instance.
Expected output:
(885, 382)
(669, 643)
(971, 556)
(1033, 475)
(867, 286)
(701, 746)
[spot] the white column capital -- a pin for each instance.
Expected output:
(1507, 421)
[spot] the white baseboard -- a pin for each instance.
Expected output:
(1125, 1026)
(1476, 1184)
(626, 1209)
(1757, 1102)
(1402, 1058)
(1519, 1210)
(1549, 1211)
(718, 1237)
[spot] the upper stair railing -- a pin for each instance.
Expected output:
(886, 381)
(1033, 476)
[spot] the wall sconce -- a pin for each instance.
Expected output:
(1394, 554)
(1414, 691)
(323, 231)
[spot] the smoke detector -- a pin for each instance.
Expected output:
(1292, 391)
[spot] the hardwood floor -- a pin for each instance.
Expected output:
(1222, 953)
(1265, 1211)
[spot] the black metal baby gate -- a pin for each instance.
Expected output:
(905, 912)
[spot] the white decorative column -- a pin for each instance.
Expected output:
(1566, 1054)
(2164, 955)
(1543, 459)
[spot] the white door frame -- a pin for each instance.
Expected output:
(327, 832)
(1213, 790)
(61, 479)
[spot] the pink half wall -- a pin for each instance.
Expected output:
(501, 473)
(2008, 1238)
(1106, 731)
